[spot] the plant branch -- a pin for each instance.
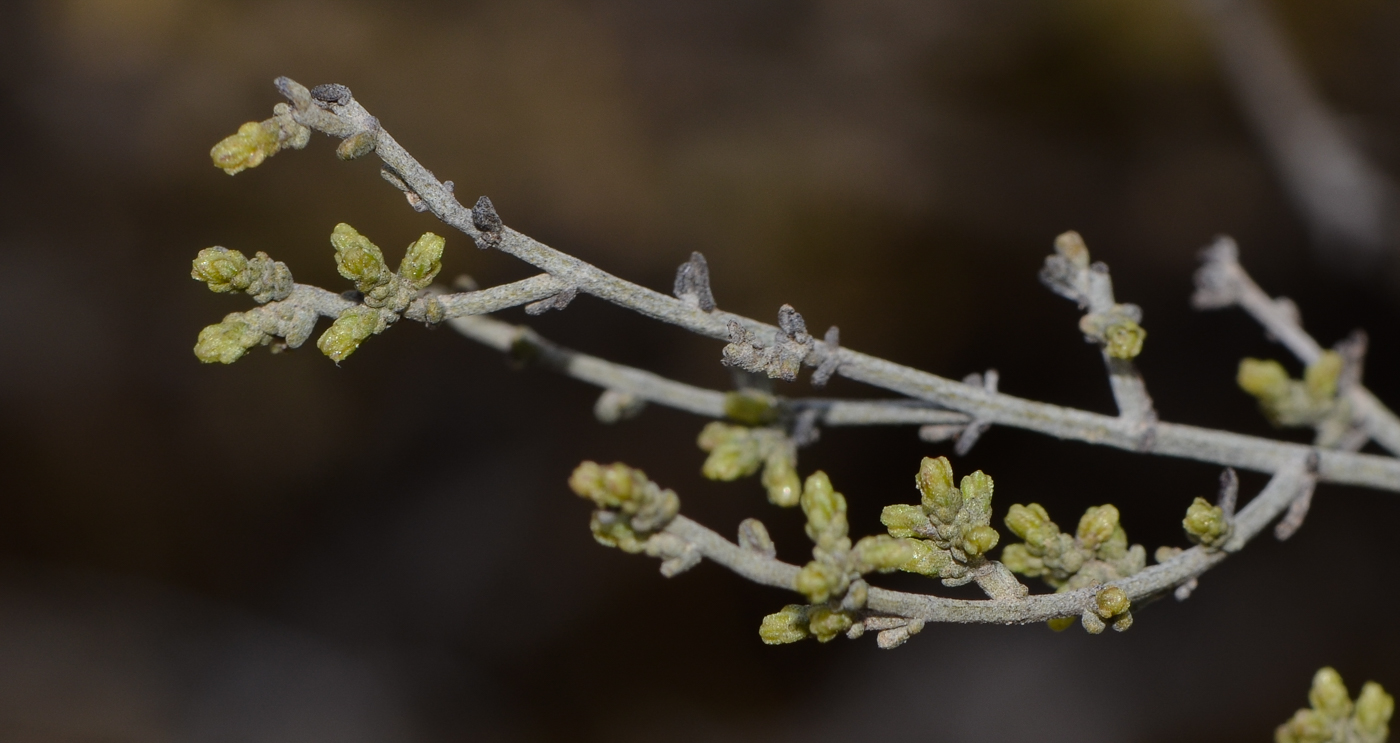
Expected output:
(1223, 282)
(341, 116)
(760, 567)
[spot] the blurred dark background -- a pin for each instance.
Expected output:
(284, 550)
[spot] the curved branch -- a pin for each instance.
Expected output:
(1283, 488)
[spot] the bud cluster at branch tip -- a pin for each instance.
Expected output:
(950, 529)
(1332, 717)
(630, 508)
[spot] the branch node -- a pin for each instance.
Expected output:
(753, 536)
(488, 223)
(557, 302)
(831, 362)
(693, 283)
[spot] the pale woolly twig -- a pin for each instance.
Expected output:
(337, 114)
(1223, 282)
(760, 567)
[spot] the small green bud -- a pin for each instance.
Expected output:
(733, 460)
(818, 581)
(825, 508)
(1322, 375)
(788, 625)
(349, 331)
(611, 531)
(1018, 559)
(1329, 695)
(979, 540)
(423, 260)
(222, 269)
(781, 480)
(1022, 520)
(903, 520)
(827, 624)
(358, 259)
(716, 434)
(929, 560)
(357, 145)
(1206, 523)
(1060, 624)
(1111, 601)
(881, 553)
(1373, 710)
(750, 407)
(935, 480)
(226, 342)
(1266, 380)
(254, 142)
(1097, 525)
(977, 491)
(1071, 246)
(1123, 340)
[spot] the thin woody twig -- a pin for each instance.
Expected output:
(346, 118)
(762, 568)
(1223, 282)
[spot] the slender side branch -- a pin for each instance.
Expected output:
(654, 388)
(761, 567)
(1222, 282)
(334, 112)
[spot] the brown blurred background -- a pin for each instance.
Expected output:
(284, 550)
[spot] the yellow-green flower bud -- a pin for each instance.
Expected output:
(750, 407)
(825, 508)
(1123, 340)
(349, 331)
(1071, 245)
(1111, 601)
(903, 520)
(1373, 710)
(733, 460)
(935, 480)
(611, 531)
(254, 142)
(1018, 559)
(226, 342)
(423, 260)
(1329, 695)
(358, 259)
(1321, 376)
(1060, 624)
(979, 540)
(977, 492)
(1097, 525)
(222, 269)
(781, 480)
(881, 553)
(818, 580)
(1032, 524)
(788, 625)
(827, 624)
(1205, 523)
(928, 559)
(1266, 380)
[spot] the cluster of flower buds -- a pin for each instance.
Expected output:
(1097, 553)
(258, 140)
(386, 293)
(832, 580)
(630, 508)
(1294, 402)
(950, 529)
(739, 451)
(1334, 718)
